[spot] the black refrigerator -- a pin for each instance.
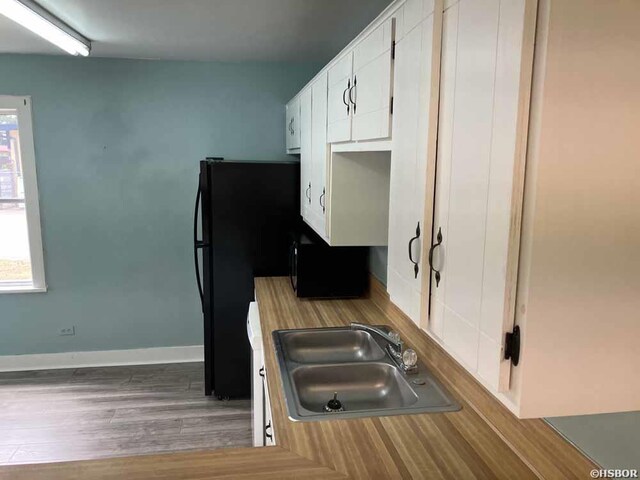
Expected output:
(246, 211)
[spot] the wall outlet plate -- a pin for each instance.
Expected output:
(66, 331)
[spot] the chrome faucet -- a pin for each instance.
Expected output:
(405, 359)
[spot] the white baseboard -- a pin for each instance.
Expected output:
(102, 358)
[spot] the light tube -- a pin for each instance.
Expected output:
(28, 18)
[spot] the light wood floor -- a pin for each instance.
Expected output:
(89, 413)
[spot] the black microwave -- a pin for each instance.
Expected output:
(317, 270)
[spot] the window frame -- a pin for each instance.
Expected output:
(22, 105)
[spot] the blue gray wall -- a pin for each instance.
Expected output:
(117, 150)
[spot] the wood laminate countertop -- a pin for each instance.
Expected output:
(482, 441)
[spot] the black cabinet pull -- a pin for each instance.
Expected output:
(307, 193)
(344, 95)
(293, 129)
(355, 82)
(416, 268)
(433, 247)
(321, 200)
(267, 431)
(261, 372)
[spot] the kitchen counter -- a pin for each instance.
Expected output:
(483, 440)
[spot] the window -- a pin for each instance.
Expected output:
(21, 258)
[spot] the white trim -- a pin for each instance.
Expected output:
(28, 156)
(102, 358)
(366, 146)
(22, 289)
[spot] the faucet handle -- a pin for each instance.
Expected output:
(409, 358)
(395, 336)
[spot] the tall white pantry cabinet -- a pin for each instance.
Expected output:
(492, 146)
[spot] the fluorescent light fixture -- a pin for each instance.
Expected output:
(42, 23)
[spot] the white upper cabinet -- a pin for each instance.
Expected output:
(307, 187)
(370, 93)
(339, 105)
(411, 123)
(292, 118)
(319, 154)
(345, 197)
(360, 89)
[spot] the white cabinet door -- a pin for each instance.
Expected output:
(307, 188)
(292, 117)
(319, 152)
(407, 234)
(464, 227)
(339, 107)
(480, 92)
(370, 95)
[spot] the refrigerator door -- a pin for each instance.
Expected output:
(248, 208)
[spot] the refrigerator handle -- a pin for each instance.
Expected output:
(197, 244)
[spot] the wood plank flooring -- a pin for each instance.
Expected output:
(90, 413)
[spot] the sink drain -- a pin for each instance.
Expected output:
(334, 405)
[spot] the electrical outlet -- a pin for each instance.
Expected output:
(66, 331)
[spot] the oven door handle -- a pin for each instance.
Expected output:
(293, 266)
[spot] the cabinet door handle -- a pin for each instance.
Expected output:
(344, 95)
(307, 193)
(433, 247)
(267, 431)
(293, 129)
(355, 82)
(321, 199)
(416, 268)
(261, 372)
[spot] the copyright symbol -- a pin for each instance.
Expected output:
(595, 474)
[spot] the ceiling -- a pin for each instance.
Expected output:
(224, 30)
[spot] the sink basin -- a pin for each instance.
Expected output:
(331, 345)
(315, 364)
(361, 386)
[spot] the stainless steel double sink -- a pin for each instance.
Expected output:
(353, 365)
